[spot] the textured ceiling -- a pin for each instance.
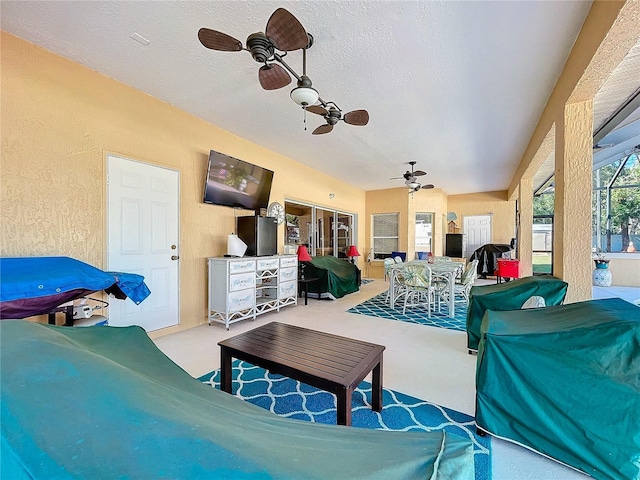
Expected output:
(621, 88)
(456, 86)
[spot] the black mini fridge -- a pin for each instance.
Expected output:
(454, 245)
(260, 234)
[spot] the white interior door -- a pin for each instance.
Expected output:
(143, 234)
(477, 230)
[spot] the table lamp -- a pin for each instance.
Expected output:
(303, 257)
(352, 252)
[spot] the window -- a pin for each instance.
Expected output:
(424, 232)
(385, 234)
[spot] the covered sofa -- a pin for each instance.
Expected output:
(104, 402)
(565, 381)
(509, 296)
(336, 277)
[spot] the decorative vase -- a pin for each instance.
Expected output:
(602, 274)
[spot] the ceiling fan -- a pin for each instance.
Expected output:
(333, 115)
(411, 179)
(284, 33)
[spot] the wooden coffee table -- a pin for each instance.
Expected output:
(328, 362)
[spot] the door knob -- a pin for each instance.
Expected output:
(175, 257)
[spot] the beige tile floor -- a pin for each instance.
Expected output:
(426, 362)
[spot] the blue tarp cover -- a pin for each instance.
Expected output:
(104, 402)
(34, 285)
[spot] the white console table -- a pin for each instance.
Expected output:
(241, 288)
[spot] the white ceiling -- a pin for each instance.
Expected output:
(456, 86)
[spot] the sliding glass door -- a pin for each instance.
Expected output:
(322, 231)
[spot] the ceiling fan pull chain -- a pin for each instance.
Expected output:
(304, 118)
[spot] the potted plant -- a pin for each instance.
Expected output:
(601, 262)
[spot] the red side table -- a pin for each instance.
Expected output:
(507, 269)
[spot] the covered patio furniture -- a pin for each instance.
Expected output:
(336, 277)
(509, 296)
(37, 285)
(105, 403)
(564, 381)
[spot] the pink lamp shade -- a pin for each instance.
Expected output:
(303, 255)
(353, 251)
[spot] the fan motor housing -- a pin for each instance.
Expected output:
(260, 47)
(333, 116)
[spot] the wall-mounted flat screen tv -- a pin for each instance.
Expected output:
(236, 183)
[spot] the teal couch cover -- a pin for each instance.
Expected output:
(509, 296)
(336, 277)
(104, 402)
(565, 381)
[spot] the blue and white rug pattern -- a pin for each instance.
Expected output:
(292, 399)
(376, 307)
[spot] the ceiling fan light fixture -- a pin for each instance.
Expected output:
(304, 96)
(413, 185)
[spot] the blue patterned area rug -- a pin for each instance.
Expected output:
(292, 399)
(376, 307)
(364, 281)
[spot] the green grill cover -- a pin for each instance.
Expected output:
(565, 381)
(104, 402)
(336, 277)
(509, 296)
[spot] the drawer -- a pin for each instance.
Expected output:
(242, 300)
(242, 281)
(288, 274)
(267, 263)
(288, 289)
(288, 261)
(242, 266)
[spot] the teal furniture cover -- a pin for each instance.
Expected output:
(565, 381)
(509, 296)
(336, 277)
(105, 403)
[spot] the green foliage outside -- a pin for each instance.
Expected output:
(543, 204)
(625, 202)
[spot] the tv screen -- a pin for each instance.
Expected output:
(236, 183)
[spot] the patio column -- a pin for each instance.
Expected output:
(525, 227)
(573, 192)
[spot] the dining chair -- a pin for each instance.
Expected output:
(387, 263)
(461, 290)
(418, 290)
(397, 286)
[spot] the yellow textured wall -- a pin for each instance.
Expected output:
(573, 194)
(625, 269)
(525, 227)
(503, 212)
(60, 120)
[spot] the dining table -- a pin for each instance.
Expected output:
(443, 272)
